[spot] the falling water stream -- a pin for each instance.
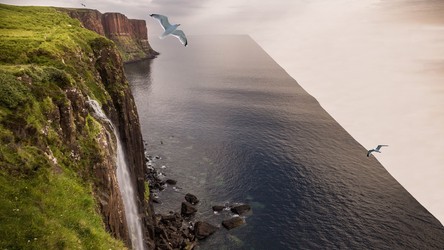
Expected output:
(125, 186)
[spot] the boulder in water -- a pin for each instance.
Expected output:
(233, 222)
(203, 229)
(241, 209)
(191, 198)
(218, 208)
(187, 209)
(171, 182)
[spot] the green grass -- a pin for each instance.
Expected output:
(147, 191)
(128, 48)
(47, 200)
(12, 92)
(50, 211)
(46, 37)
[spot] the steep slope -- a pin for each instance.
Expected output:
(130, 35)
(57, 162)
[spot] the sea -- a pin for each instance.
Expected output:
(232, 127)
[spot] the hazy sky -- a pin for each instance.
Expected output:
(376, 66)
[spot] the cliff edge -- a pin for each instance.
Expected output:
(57, 160)
(130, 35)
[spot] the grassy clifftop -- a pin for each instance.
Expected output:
(48, 143)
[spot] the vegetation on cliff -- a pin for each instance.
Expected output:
(50, 144)
(129, 35)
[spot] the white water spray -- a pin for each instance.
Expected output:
(125, 185)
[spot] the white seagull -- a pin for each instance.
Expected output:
(377, 149)
(170, 29)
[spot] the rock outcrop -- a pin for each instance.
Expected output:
(90, 19)
(56, 157)
(187, 209)
(191, 198)
(204, 229)
(123, 113)
(130, 35)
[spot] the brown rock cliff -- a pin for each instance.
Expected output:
(130, 35)
(122, 112)
(91, 19)
(72, 119)
(131, 39)
(57, 151)
(139, 28)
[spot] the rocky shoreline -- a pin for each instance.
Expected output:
(179, 229)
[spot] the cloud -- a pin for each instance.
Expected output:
(195, 16)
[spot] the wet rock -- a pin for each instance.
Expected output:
(203, 229)
(158, 186)
(218, 208)
(154, 180)
(175, 240)
(168, 218)
(171, 182)
(233, 222)
(189, 245)
(164, 245)
(191, 198)
(171, 232)
(241, 209)
(187, 209)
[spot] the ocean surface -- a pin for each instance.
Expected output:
(231, 126)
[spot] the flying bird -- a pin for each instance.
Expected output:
(377, 149)
(170, 29)
(83, 4)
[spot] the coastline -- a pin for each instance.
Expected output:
(57, 156)
(241, 158)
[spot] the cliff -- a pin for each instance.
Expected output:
(130, 35)
(57, 161)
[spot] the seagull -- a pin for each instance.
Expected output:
(83, 4)
(170, 29)
(377, 149)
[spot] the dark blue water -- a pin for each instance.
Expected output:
(232, 126)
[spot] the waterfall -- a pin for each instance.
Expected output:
(125, 185)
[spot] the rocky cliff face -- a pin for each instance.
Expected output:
(130, 35)
(91, 19)
(131, 38)
(123, 113)
(57, 159)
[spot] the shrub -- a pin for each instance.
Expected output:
(59, 77)
(12, 91)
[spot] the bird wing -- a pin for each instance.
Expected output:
(370, 152)
(380, 146)
(179, 34)
(162, 19)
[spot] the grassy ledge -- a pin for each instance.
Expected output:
(46, 149)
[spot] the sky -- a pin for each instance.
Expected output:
(376, 66)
